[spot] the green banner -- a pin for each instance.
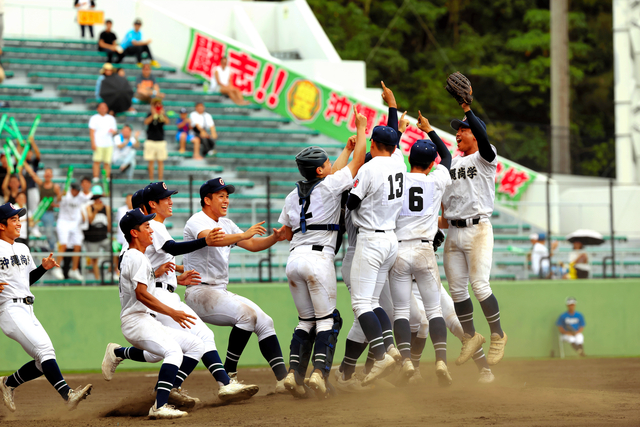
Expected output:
(306, 102)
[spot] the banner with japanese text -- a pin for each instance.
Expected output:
(316, 106)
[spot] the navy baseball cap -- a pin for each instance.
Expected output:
(75, 186)
(157, 191)
(385, 135)
(213, 186)
(455, 124)
(8, 210)
(137, 199)
(133, 218)
(423, 152)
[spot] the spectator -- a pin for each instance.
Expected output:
(96, 239)
(221, 82)
(132, 44)
(69, 232)
(46, 189)
(540, 256)
(571, 324)
(122, 73)
(85, 189)
(155, 147)
(124, 154)
(33, 160)
(107, 42)
(146, 86)
(185, 134)
(12, 185)
(579, 267)
(105, 71)
(85, 5)
(102, 127)
(204, 128)
(21, 202)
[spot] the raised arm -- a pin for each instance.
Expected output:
(360, 150)
(34, 147)
(443, 151)
(484, 146)
(343, 158)
(257, 244)
(34, 176)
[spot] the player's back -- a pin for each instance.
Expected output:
(419, 215)
(472, 190)
(380, 186)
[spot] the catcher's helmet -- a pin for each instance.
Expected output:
(309, 159)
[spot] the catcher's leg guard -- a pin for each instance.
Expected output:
(305, 346)
(325, 347)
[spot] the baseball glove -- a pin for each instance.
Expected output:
(459, 87)
(438, 240)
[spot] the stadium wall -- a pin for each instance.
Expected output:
(82, 320)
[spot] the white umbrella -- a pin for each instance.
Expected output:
(586, 237)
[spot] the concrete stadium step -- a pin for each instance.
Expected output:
(20, 89)
(60, 54)
(180, 184)
(92, 103)
(71, 79)
(167, 168)
(17, 101)
(171, 94)
(51, 43)
(71, 66)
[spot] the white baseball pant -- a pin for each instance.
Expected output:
(217, 306)
(18, 322)
(312, 282)
(69, 233)
(577, 339)
(374, 256)
(468, 253)
(146, 333)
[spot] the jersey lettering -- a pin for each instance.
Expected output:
(397, 193)
(415, 199)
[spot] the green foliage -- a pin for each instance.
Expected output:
(503, 47)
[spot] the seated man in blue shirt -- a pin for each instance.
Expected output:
(571, 324)
(132, 44)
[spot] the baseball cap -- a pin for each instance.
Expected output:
(97, 192)
(385, 135)
(455, 124)
(137, 22)
(133, 218)
(213, 186)
(423, 152)
(571, 301)
(183, 110)
(157, 191)
(75, 186)
(8, 210)
(542, 236)
(137, 199)
(533, 236)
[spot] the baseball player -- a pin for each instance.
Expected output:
(375, 203)
(467, 206)
(180, 350)
(416, 230)
(68, 228)
(310, 216)
(211, 300)
(17, 318)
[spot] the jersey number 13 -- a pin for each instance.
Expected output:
(395, 193)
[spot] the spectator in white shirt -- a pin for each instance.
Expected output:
(204, 128)
(102, 127)
(540, 256)
(221, 82)
(124, 154)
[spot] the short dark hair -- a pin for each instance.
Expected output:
(48, 168)
(199, 103)
(108, 21)
(384, 147)
(208, 196)
(128, 235)
(85, 178)
(127, 126)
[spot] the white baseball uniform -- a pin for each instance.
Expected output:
(468, 251)
(17, 319)
(211, 300)
(140, 325)
(166, 285)
(310, 268)
(379, 185)
(417, 225)
(69, 220)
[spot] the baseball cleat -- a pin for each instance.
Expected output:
(496, 349)
(393, 352)
(442, 372)
(8, 394)
(280, 387)
(317, 384)
(470, 344)
(352, 385)
(165, 412)
(75, 396)
(233, 377)
(179, 397)
(237, 392)
(110, 361)
(296, 390)
(486, 376)
(407, 369)
(380, 369)
(416, 378)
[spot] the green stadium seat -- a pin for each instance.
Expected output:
(511, 226)
(169, 182)
(267, 169)
(252, 145)
(20, 88)
(93, 77)
(49, 53)
(8, 74)
(74, 65)
(41, 41)
(167, 168)
(215, 105)
(16, 99)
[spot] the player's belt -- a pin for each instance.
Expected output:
(375, 231)
(423, 241)
(27, 300)
(318, 248)
(462, 223)
(169, 287)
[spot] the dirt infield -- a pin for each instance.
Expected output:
(583, 392)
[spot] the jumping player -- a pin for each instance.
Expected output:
(17, 318)
(310, 216)
(467, 206)
(179, 349)
(211, 300)
(416, 229)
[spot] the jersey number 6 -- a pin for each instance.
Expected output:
(398, 192)
(415, 199)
